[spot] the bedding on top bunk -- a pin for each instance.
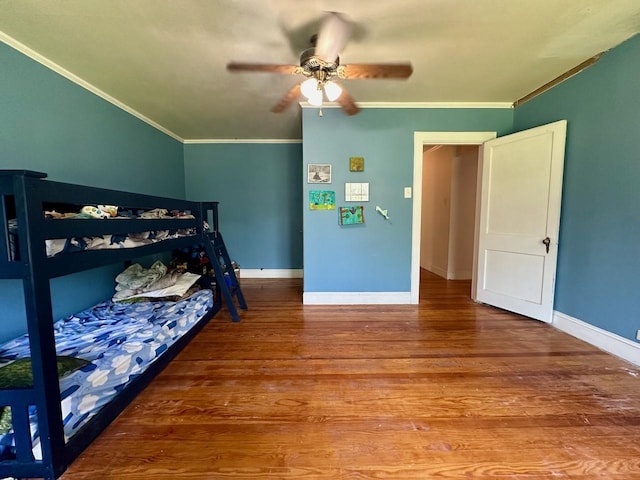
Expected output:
(120, 340)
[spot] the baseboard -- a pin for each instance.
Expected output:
(460, 275)
(607, 341)
(441, 272)
(356, 298)
(270, 273)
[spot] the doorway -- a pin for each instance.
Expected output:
(449, 182)
(420, 140)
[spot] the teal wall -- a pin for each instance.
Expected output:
(50, 124)
(598, 277)
(259, 190)
(376, 256)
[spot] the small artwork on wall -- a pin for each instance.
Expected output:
(352, 215)
(356, 192)
(319, 173)
(356, 164)
(322, 200)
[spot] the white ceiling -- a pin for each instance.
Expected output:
(165, 59)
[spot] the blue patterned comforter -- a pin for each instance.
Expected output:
(120, 341)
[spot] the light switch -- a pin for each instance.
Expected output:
(407, 192)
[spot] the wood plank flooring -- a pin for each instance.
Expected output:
(447, 389)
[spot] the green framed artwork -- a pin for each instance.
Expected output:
(356, 164)
(351, 215)
(322, 200)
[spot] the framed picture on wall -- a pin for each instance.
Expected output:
(356, 164)
(319, 173)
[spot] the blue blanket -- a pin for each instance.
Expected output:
(120, 341)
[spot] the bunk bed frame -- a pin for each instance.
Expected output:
(27, 193)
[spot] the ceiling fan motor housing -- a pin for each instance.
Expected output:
(312, 65)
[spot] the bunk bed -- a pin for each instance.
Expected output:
(50, 424)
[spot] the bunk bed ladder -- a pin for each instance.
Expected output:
(227, 283)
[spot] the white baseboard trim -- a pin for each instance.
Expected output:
(449, 275)
(460, 275)
(441, 272)
(356, 298)
(607, 341)
(270, 273)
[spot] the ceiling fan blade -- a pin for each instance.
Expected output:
(262, 67)
(348, 104)
(333, 36)
(372, 71)
(286, 101)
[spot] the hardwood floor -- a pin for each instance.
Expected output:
(446, 389)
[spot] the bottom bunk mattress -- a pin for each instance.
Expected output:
(120, 340)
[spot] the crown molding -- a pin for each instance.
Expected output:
(241, 140)
(417, 105)
(22, 48)
(559, 79)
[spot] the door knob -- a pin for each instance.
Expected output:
(546, 242)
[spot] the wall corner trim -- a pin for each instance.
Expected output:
(356, 298)
(604, 340)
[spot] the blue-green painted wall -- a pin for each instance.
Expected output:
(598, 277)
(50, 124)
(259, 190)
(376, 256)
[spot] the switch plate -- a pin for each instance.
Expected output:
(407, 192)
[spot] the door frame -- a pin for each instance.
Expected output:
(440, 138)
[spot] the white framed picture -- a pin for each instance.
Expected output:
(319, 173)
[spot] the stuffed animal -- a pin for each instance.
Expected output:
(94, 212)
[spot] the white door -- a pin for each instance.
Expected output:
(520, 219)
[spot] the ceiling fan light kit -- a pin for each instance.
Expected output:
(315, 91)
(321, 65)
(332, 90)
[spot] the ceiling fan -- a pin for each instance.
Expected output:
(321, 65)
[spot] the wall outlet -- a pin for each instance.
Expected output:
(638, 335)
